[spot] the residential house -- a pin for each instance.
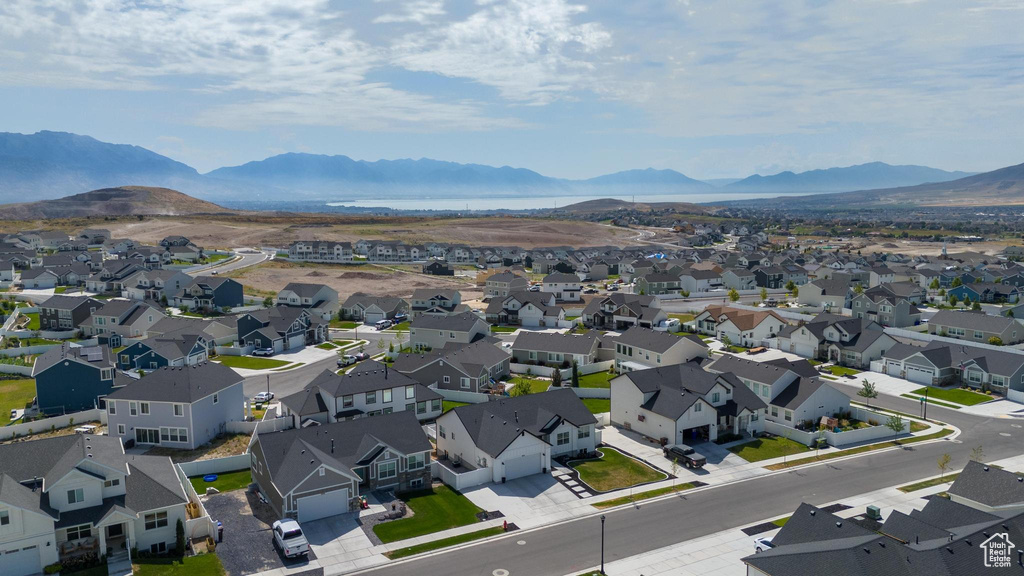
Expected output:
(112, 277)
(119, 318)
(473, 367)
(39, 278)
(60, 312)
(504, 283)
(771, 277)
(741, 327)
(846, 341)
(321, 471)
(70, 379)
(525, 309)
(320, 299)
(372, 309)
(436, 302)
(696, 280)
(368, 389)
(69, 497)
(885, 309)
(566, 287)
(431, 332)
(438, 268)
(739, 279)
(175, 349)
(683, 404)
(975, 326)
(154, 285)
(621, 311)
(558, 350)
(988, 293)
(320, 251)
(639, 348)
(657, 283)
(515, 437)
(281, 328)
(209, 293)
(177, 406)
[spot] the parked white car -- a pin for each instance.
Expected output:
(263, 397)
(289, 539)
(762, 544)
(263, 352)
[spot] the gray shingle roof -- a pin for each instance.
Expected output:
(462, 322)
(494, 425)
(972, 320)
(184, 384)
(557, 343)
(752, 370)
(653, 340)
(989, 485)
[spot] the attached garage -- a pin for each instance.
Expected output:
(920, 375)
(802, 350)
(296, 341)
(323, 505)
(519, 466)
(20, 562)
(372, 317)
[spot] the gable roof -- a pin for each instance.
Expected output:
(558, 343)
(183, 384)
(989, 485)
(653, 340)
(461, 322)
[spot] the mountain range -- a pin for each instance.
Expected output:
(57, 164)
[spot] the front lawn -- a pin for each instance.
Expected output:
(504, 329)
(682, 317)
(202, 565)
(843, 371)
(225, 481)
(60, 289)
(251, 363)
(15, 394)
(447, 405)
(768, 447)
(614, 470)
(343, 343)
(327, 346)
(948, 478)
(598, 405)
(33, 321)
(444, 543)
(437, 509)
(403, 326)
(596, 380)
(645, 495)
(957, 395)
(343, 324)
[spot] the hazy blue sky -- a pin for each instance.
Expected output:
(567, 88)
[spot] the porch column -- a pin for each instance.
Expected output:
(103, 539)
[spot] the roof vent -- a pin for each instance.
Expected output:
(839, 524)
(948, 549)
(813, 512)
(312, 461)
(867, 551)
(88, 455)
(1020, 479)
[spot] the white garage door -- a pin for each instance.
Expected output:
(519, 466)
(802, 350)
(892, 368)
(373, 317)
(920, 375)
(323, 505)
(297, 341)
(20, 562)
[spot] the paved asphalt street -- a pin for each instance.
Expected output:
(246, 259)
(575, 546)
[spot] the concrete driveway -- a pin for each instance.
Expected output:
(531, 501)
(248, 543)
(340, 544)
(722, 465)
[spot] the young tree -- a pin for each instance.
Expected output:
(942, 292)
(556, 378)
(858, 289)
(575, 375)
(944, 465)
(179, 537)
(268, 301)
(953, 300)
(867, 391)
(795, 292)
(675, 471)
(978, 453)
(976, 305)
(935, 284)
(957, 282)
(522, 388)
(895, 423)
(734, 296)
(764, 293)
(726, 341)
(995, 341)
(790, 285)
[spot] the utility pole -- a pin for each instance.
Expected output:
(602, 543)
(268, 385)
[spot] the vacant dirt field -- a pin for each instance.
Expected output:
(898, 245)
(347, 280)
(270, 230)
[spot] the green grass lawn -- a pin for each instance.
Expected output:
(15, 394)
(98, 570)
(444, 543)
(203, 565)
(682, 317)
(225, 482)
(929, 483)
(596, 380)
(957, 395)
(644, 495)
(615, 470)
(38, 342)
(598, 405)
(33, 321)
(766, 448)
(504, 329)
(327, 346)
(60, 289)
(860, 450)
(343, 324)
(843, 371)
(343, 343)
(403, 326)
(917, 426)
(781, 521)
(932, 401)
(251, 363)
(536, 386)
(436, 509)
(214, 258)
(447, 405)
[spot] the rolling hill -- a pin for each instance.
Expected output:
(649, 177)
(123, 201)
(873, 175)
(603, 205)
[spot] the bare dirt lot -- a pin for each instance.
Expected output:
(898, 245)
(348, 279)
(269, 230)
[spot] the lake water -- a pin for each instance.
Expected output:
(539, 202)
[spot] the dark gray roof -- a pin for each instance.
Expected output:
(471, 359)
(562, 278)
(462, 322)
(653, 340)
(906, 528)
(989, 485)
(306, 402)
(794, 395)
(558, 343)
(812, 524)
(98, 356)
(16, 494)
(291, 455)
(752, 370)
(677, 387)
(800, 367)
(62, 302)
(972, 320)
(152, 483)
(494, 425)
(366, 377)
(52, 458)
(303, 290)
(184, 384)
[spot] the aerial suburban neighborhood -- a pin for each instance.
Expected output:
(511, 288)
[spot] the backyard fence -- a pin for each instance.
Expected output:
(15, 369)
(461, 395)
(36, 426)
(202, 525)
(258, 426)
(459, 480)
(215, 465)
(841, 439)
(234, 350)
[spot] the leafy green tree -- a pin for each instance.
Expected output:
(268, 301)
(734, 296)
(957, 282)
(867, 391)
(953, 300)
(995, 341)
(575, 375)
(895, 423)
(935, 284)
(764, 293)
(522, 388)
(790, 286)
(556, 378)
(976, 305)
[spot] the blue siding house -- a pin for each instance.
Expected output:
(176, 349)
(70, 379)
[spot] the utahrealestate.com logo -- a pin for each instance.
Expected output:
(998, 550)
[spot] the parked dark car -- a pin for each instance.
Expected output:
(687, 456)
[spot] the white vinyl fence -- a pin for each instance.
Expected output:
(201, 526)
(546, 371)
(462, 395)
(234, 350)
(36, 426)
(15, 369)
(460, 480)
(842, 439)
(215, 465)
(260, 426)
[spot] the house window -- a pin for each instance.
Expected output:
(371, 397)
(120, 429)
(715, 397)
(533, 354)
(157, 520)
(145, 407)
(387, 470)
(179, 409)
(386, 396)
(415, 462)
(421, 407)
(79, 532)
(322, 470)
(440, 432)
(5, 518)
(789, 416)
(216, 398)
(979, 334)
(346, 401)
(435, 405)
(447, 379)
(464, 382)
(410, 406)
(107, 374)
(387, 410)
(110, 408)
(753, 417)
(583, 433)
(410, 392)
(563, 438)
(124, 359)
(697, 407)
(775, 411)
(111, 483)
(75, 496)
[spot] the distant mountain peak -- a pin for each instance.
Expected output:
(866, 176)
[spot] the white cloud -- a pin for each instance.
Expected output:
(418, 11)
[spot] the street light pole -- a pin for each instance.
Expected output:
(602, 543)
(926, 404)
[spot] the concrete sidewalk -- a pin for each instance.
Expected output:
(721, 554)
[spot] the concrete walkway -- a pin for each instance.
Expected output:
(721, 554)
